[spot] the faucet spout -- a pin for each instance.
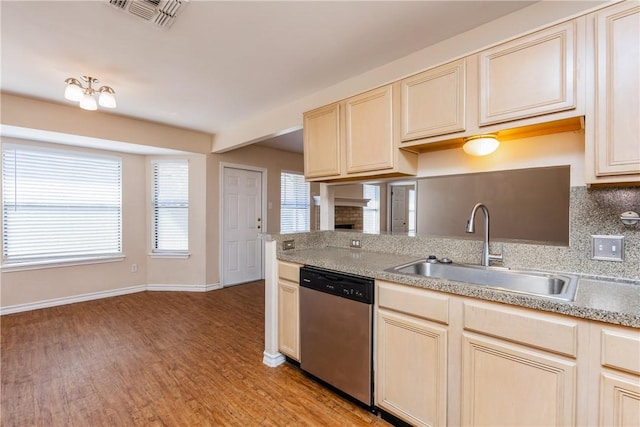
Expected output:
(470, 228)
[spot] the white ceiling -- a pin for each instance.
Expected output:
(222, 62)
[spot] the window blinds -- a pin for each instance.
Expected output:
(371, 212)
(294, 203)
(59, 205)
(170, 206)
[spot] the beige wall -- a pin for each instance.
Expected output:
(21, 287)
(190, 271)
(54, 117)
(274, 161)
(201, 268)
(549, 150)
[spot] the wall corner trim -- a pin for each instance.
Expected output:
(273, 360)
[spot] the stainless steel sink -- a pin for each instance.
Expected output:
(557, 286)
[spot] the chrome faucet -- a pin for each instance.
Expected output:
(486, 256)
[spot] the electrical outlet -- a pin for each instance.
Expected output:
(355, 243)
(607, 248)
(288, 244)
(134, 268)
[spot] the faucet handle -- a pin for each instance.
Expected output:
(497, 257)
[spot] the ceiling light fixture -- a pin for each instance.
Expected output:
(75, 91)
(480, 145)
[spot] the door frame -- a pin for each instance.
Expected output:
(263, 209)
(402, 183)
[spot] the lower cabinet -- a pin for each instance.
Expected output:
(508, 384)
(618, 374)
(289, 309)
(411, 368)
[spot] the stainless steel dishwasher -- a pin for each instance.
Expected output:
(336, 330)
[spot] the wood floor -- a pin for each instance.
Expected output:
(157, 358)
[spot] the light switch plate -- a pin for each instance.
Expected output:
(288, 244)
(355, 243)
(607, 248)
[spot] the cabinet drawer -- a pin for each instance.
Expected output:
(543, 331)
(413, 301)
(621, 351)
(289, 271)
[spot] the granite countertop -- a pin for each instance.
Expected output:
(602, 300)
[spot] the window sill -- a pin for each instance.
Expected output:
(170, 255)
(69, 262)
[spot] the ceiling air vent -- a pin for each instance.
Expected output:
(162, 13)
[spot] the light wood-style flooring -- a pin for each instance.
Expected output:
(157, 359)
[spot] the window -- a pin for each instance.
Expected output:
(59, 205)
(294, 203)
(170, 206)
(371, 212)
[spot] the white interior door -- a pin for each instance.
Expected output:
(242, 221)
(398, 209)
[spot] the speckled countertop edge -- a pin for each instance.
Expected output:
(600, 300)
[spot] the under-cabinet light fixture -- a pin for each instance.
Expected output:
(480, 145)
(75, 91)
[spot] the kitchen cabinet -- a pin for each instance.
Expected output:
(613, 134)
(288, 309)
(517, 367)
(530, 86)
(322, 142)
(433, 102)
(411, 362)
(357, 137)
(616, 372)
(529, 76)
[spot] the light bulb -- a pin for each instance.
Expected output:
(73, 92)
(107, 99)
(88, 102)
(481, 145)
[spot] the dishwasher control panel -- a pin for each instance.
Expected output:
(357, 288)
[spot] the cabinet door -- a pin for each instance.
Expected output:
(369, 130)
(289, 319)
(321, 138)
(530, 76)
(617, 81)
(619, 400)
(411, 369)
(433, 102)
(505, 384)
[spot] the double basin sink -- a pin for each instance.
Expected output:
(558, 286)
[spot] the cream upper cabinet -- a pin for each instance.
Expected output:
(411, 354)
(322, 142)
(433, 102)
(529, 76)
(613, 136)
(289, 309)
(357, 137)
(369, 125)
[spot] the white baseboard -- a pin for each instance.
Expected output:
(273, 360)
(180, 288)
(70, 300)
(105, 294)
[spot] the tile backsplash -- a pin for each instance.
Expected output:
(593, 211)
